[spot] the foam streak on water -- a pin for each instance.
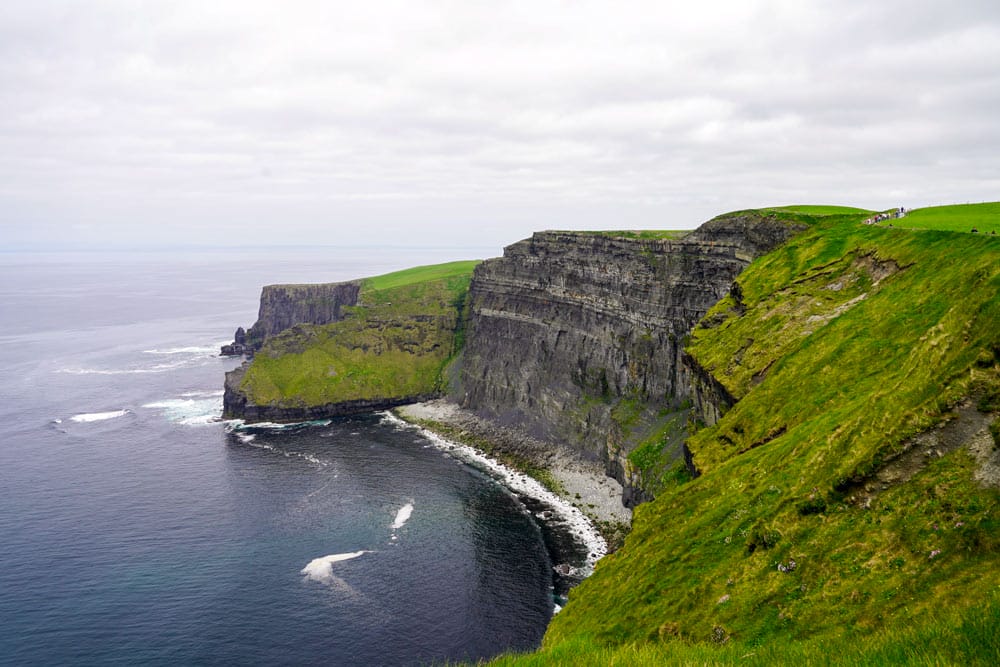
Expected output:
(98, 416)
(190, 411)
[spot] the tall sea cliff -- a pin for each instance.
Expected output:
(577, 337)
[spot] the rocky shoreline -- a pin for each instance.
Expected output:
(581, 483)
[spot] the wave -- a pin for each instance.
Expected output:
(250, 439)
(240, 425)
(98, 416)
(321, 569)
(158, 368)
(203, 394)
(402, 516)
(190, 349)
(190, 411)
(111, 371)
(181, 357)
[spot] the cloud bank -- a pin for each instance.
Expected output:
(462, 122)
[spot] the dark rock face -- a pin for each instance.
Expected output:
(282, 306)
(709, 397)
(566, 326)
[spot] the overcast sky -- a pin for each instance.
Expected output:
(457, 123)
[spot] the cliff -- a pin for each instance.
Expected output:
(576, 337)
(351, 347)
(283, 306)
(847, 388)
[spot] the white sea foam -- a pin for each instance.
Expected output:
(321, 569)
(190, 349)
(240, 425)
(180, 357)
(191, 411)
(203, 394)
(402, 516)
(575, 521)
(157, 368)
(109, 371)
(98, 416)
(250, 439)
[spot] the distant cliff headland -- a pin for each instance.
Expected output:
(808, 402)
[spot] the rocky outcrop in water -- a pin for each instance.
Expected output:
(576, 337)
(238, 346)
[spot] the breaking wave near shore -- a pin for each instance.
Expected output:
(561, 513)
(153, 361)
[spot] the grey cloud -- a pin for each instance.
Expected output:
(435, 119)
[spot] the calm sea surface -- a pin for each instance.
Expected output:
(137, 529)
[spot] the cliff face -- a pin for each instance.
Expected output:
(849, 385)
(576, 337)
(282, 306)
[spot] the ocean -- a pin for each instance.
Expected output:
(139, 528)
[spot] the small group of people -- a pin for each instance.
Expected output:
(886, 215)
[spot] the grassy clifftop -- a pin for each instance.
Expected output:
(848, 508)
(394, 343)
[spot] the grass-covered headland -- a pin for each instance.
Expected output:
(847, 509)
(396, 342)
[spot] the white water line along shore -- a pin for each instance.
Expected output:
(578, 524)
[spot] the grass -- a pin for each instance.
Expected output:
(960, 218)
(971, 637)
(396, 343)
(820, 210)
(643, 234)
(846, 341)
(420, 274)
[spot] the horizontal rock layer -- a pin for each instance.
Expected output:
(568, 328)
(282, 306)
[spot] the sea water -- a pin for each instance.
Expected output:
(138, 528)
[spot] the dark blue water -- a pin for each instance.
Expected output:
(136, 529)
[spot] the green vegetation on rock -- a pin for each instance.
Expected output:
(395, 343)
(646, 234)
(842, 346)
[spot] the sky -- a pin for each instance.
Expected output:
(178, 123)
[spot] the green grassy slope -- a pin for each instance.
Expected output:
(395, 343)
(844, 344)
(819, 209)
(960, 218)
